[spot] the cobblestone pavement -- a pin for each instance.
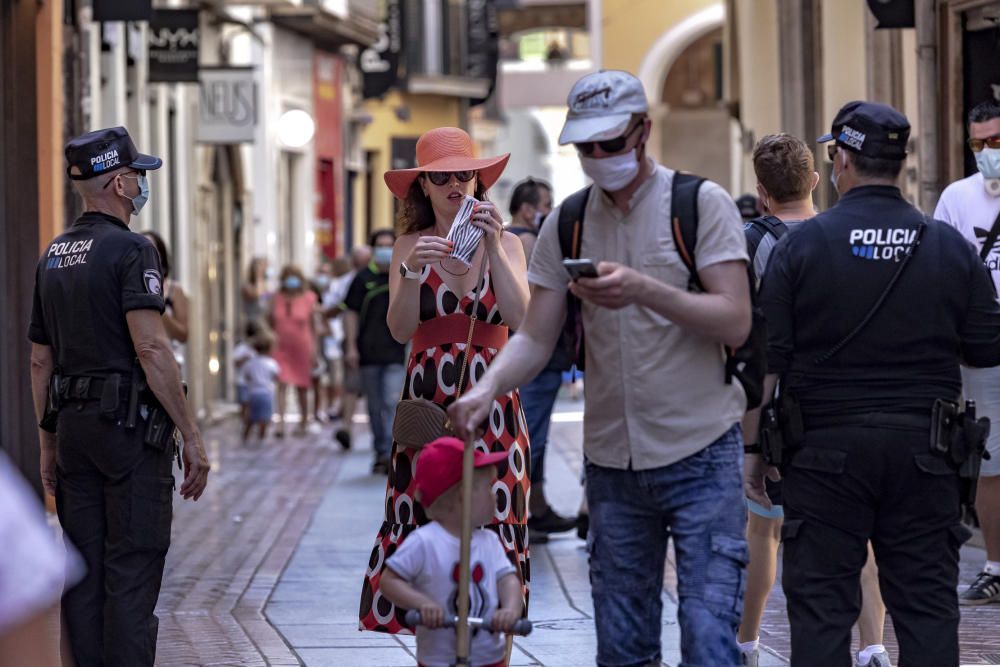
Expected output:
(266, 568)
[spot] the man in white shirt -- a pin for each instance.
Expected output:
(972, 205)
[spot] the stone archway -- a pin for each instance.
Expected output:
(676, 125)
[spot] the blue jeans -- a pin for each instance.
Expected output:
(538, 397)
(697, 501)
(382, 385)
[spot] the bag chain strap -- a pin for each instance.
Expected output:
(472, 325)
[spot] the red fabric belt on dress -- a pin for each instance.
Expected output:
(455, 329)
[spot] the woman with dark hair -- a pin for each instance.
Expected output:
(175, 317)
(254, 290)
(294, 319)
(431, 296)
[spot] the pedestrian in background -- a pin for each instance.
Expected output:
(361, 257)
(871, 308)
(332, 307)
(175, 317)
(293, 319)
(254, 292)
(430, 304)
(530, 204)
(243, 352)
(370, 347)
(259, 375)
(320, 285)
(786, 178)
(98, 306)
(661, 432)
(972, 206)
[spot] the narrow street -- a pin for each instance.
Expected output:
(266, 568)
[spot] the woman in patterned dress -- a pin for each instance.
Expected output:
(430, 298)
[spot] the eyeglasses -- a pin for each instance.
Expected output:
(609, 145)
(140, 172)
(831, 150)
(444, 177)
(977, 145)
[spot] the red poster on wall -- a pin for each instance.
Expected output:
(328, 103)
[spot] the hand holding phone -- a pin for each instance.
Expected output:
(580, 268)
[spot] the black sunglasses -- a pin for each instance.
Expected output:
(609, 145)
(831, 150)
(444, 177)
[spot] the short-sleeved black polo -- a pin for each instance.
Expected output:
(85, 282)
(822, 279)
(368, 296)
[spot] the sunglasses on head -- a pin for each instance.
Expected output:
(977, 145)
(444, 177)
(609, 145)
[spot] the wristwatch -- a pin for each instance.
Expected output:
(406, 273)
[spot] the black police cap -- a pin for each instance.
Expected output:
(871, 129)
(101, 151)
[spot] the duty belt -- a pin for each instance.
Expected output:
(916, 420)
(81, 388)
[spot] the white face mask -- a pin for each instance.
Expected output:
(612, 173)
(988, 161)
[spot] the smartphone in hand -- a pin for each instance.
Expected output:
(580, 268)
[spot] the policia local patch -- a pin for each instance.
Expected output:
(151, 278)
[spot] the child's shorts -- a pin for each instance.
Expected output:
(261, 408)
(242, 394)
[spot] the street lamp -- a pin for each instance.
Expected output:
(295, 128)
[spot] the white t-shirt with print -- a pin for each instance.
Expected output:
(428, 559)
(966, 206)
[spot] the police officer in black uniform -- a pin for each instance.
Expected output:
(870, 310)
(108, 393)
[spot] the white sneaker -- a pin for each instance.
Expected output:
(880, 659)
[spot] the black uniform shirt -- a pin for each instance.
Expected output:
(86, 280)
(368, 296)
(822, 279)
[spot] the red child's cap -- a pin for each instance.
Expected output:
(439, 467)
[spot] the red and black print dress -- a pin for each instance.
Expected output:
(432, 374)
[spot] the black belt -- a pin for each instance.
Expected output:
(81, 388)
(919, 420)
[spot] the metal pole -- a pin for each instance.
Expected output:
(462, 640)
(928, 95)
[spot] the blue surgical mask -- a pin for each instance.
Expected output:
(292, 282)
(988, 161)
(139, 200)
(382, 255)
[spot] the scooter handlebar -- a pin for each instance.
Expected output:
(522, 626)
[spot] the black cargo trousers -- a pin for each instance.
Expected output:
(873, 479)
(114, 498)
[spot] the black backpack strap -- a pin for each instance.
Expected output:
(684, 219)
(571, 223)
(757, 228)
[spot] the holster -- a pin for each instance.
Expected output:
(50, 416)
(960, 438)
(781, 429)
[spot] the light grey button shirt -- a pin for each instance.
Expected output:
(655, 393)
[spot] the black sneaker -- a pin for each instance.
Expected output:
(381, 466)
(984, 590)
(582, 525)
(343, 436)
(550, 522)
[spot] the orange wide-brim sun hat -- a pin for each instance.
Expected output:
(446, 149)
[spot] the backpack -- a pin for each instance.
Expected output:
(746, 363)
(755, 231)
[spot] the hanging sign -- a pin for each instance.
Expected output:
(227, 105)
(173, 45)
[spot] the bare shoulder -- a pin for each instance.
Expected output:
(407, 241)
(511, 241)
